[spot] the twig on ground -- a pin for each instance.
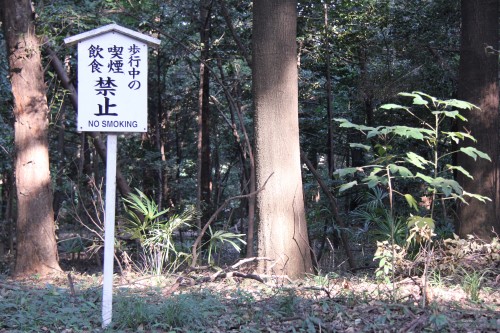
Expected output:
(414, 323)
(228, 272)
(71, 285)
(247, 260)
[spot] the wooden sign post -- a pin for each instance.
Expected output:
(112, 98)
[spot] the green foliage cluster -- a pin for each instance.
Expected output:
(156, 233)
(33, 310)
(367, 51)
(154, 230)
(421, 175)
(432, 167)
(363, 50)
(331, 302)
(6, 118)
(188, 311)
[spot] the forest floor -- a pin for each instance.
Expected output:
(221, 301)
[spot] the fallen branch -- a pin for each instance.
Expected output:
(411, 326)
(247, 260)
(228, 272)
(224, 275)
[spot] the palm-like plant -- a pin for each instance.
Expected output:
(220, 237)
(154, 230)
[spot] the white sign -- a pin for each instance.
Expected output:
(112, 97)
(112, 84)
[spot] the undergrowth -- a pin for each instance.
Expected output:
(466, 298)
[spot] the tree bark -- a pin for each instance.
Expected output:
(204, 163)
(282, 231)
(36, 239)
(329, 107)
(478, 84)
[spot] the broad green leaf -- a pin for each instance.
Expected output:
(479, 197)
(420, 222)
(474, 153)
(382, 150)
(461, 169)
(376, 170)
(374, 131)
(382, 262)
(454, 185)
(347, 186)
(346, 171)
(408, 132)
(459, 197)
(401, 170)
(411, 132)
(433, 99)
(407, 94)
(460, 104)
(385, 129)
(417, 99)
(393, 106)
(411, 201)
(447, 186)
(372, 181)
(344, 123)
(416, 160)
(359, 145)
(457, 136)
(450, 114)
(427, 179)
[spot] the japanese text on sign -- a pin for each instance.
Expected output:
(112, 84)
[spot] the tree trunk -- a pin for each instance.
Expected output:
(36, 241)
(204, 164)
(478, 84)
(282, 233)
(329, 107)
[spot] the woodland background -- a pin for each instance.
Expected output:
(388, 162)
(353, 57)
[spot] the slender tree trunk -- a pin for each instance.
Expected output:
(329, 107)
(478, 84)
(157, 137)
(36, 239)
(204, 164)
(58, 193)
(335, 210)
(282, 233)
(246, 154)
(178, 157)
(236, 38)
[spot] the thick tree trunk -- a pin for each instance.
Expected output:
(282, 233)
(478, 84)
(36, 241)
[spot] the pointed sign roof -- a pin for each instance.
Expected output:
(151, 41)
